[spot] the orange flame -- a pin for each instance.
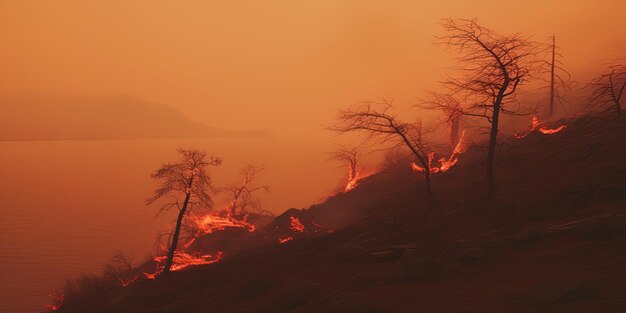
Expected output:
(296, 226)
(183, 260)
(205, 224)
(550, 131)
(283, 240)
(211, 222)
(126, 282)
(542, 128)
(153, 276)
(444, 164)
(352, 182)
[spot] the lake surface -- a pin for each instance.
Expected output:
(66, 207)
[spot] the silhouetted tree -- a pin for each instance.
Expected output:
(350, 159)
(452, 110)
(188, 178)
(560, 79)
(608, 89)
(492, 67)
(382, 124)
(242, 194)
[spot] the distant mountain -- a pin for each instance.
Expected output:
(53, 117)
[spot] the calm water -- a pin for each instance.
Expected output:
(67, 206)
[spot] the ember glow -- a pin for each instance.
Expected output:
(126, 282)
(352, 182)
(550, 131)
(57, 302)
(211, 222)
(153, 276)
(296, 226)
(444, 163)
(183, 260)
(535, 124)
(283, 240)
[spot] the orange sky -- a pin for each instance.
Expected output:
(271, 65)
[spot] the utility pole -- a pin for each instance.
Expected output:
(552, 75)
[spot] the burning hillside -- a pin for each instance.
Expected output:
(552, 243)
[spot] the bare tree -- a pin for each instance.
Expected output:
(608, 88)
(188, 178)
(350, 159)
(560, 79)
(492, 67)
(384, 125)
(452, 110)
(242, 194)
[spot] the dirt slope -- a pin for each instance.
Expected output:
(553, 242)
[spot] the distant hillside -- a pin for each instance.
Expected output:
(52, 117)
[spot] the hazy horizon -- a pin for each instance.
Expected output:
(258, 65)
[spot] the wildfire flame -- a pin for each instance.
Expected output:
(205, 224)
(211, 222)
(183, 259)
(550, 131)
(352, 182)
(126, 282)
(535, 124)
(296, 226)
(283, 240)
(444, 163)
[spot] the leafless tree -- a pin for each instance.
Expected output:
(189, 179)
(119, 266)
(452, 110)
(492, 67)
(243, 198)
(608, 88)
(377, 121)
(348, 157)
(560, 79)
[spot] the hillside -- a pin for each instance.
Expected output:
(552, 242)
(52, 117)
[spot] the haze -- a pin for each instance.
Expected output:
(263, 64)
(283, 67)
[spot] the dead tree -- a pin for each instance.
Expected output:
(350, 159)
(608, 88)
(452, 110)
(560, 79)
(242, 194)
(189, 179)
(384, 125)
(492, 67)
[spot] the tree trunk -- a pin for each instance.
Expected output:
(454, 132)
(427, 180)
(423, 161)
(493, 136)
(179, 222)
(552, 75)
(492, 151)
